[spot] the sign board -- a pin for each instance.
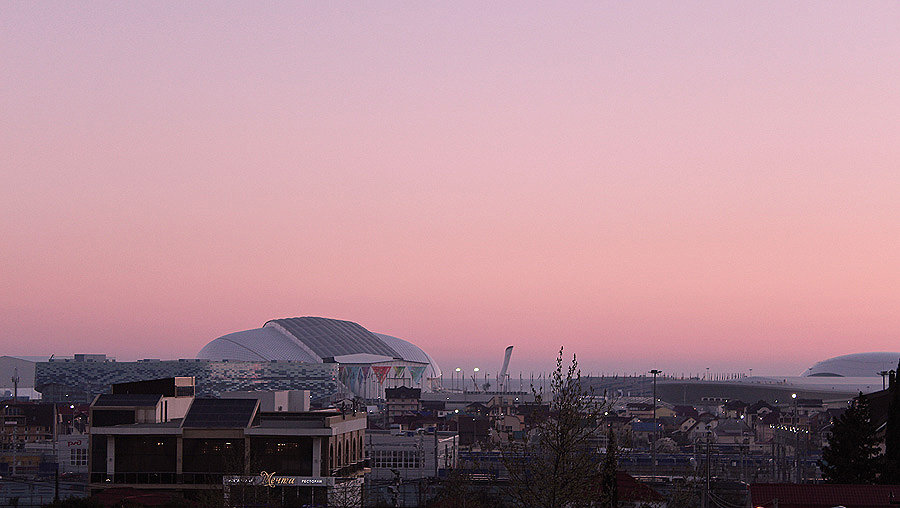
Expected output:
(274, 480)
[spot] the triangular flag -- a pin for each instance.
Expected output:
(398, 371)
(381, 372)
(416, 373)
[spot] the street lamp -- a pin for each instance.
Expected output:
(475, 378)
(655, 373)
(458, 370)
(796, 420)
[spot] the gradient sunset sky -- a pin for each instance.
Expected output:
(671, 185)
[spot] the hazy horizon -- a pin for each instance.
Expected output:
(652, 184)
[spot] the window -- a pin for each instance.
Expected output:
(78, 457)
(397, 459)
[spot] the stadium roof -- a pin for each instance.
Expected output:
(855, 365)
(313, 340)
(331, 337)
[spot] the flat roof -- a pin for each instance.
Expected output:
(127, 400)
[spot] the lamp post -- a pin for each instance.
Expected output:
(655, 373)
(458, 370)
(475, 378)
(796, 420)
(15, 380)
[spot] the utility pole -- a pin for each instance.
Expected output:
(796, 439)
(15, 380)
(774, 463)
(708, 466)
(655, 373)
(15, 445)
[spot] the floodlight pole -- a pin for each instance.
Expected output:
(655, 373)
(15, 380)
(796, 437)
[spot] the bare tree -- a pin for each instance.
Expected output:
(555, 465)
(609, 494)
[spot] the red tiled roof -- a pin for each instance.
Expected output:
(823, 495)
(632, 490)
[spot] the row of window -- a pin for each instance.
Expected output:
(397, 459)
(348, 450)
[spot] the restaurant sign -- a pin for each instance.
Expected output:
(274, 480)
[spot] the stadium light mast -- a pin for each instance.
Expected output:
(655, 373)
(796, 436)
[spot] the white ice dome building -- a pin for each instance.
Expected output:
(855, 365)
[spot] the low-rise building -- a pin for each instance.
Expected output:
(410, 455)
(227, 447)
(401, 401)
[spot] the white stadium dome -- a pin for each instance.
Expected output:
(313, 340)
(854, 365)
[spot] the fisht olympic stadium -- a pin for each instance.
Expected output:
(368, 362)
(315, 340)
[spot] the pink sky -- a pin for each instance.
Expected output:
(667, 185)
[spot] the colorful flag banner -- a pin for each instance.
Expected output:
(398, 371)
(416, 373)
(381, 372)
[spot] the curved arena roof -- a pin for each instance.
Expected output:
(854, 365)
(312, 339)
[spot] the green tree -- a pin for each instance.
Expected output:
(852, 453)
(556, 464)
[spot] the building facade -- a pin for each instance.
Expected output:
(71, 379)
(197, 447)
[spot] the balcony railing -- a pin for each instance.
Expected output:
(158, 478)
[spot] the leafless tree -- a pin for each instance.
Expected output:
(555, 465)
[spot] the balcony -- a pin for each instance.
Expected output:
(157, 478)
